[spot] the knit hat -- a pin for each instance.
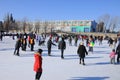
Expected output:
(40, 50)
(81, 43)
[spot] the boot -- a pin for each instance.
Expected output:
(62, 57)
(83, 63)
(80, 62)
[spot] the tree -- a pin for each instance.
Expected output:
(104, 19)
(17, 26)
(37, 26)
(6, 23)
(9, 22)
(1, 25)
(29, 27)
(45, 27)
(114, 24)
(118, 26)
(52, 27)
(25, 20)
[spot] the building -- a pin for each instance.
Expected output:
(57, 25)
(73, 25)
(83, 26)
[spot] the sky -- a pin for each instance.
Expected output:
(59, 9)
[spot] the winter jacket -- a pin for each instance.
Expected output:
(32, 42)
(38, 62)
(118, 50)
(50, 43)
(24, 42)
(112, 55)
(81, 51)
(62, 45)
(18, 44)
(110, 41)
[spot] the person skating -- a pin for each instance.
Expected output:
(87, 42)
(112, 57)
(118, 53)
(70, 41)
(76, 40)
(38, 64)
(49, 45)
(110, 41)
(91, 44)
(81, 52)
(17, 47)
(62, 47)
(32, 43)
(24, 44)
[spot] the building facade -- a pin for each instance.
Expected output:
(71, 25)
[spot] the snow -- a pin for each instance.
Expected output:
(97, 66)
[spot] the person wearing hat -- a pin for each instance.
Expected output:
(38, 64)
(81, 52)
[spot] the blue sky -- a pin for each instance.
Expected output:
(59, 9)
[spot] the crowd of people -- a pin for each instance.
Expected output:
(24, 40)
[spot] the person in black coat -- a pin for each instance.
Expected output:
(49, 45)
(70, 41)
(110, 41)
(24, 44)
(118, 53)
(62, 47)
(17, 47)
(81, 52)
(76, 40)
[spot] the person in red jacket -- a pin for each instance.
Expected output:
(38, 64)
